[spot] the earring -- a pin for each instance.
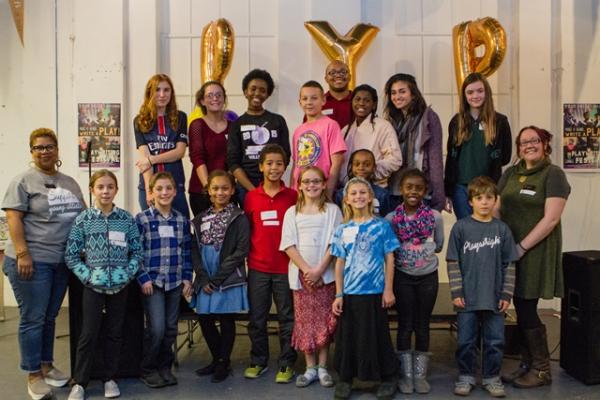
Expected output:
(58, 163)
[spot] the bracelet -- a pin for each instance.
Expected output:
(22, 254)
(522, 248)
(149, 161)
(339, 295)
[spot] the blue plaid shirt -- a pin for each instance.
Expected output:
(166, 244)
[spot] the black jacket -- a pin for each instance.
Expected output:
(232, 259)
(500, 152)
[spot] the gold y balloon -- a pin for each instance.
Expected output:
(216, 50)
(467, 36)
(17, 8)
(347, 48)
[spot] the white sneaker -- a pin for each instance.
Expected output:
(56, 378)
(77, 393)
(111, 390)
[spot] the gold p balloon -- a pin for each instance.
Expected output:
(347, 48)
(467, 36)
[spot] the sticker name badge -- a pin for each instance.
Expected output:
(166, 231)
(269, 218)
(329, 111)
(204, 226)
(117, 238)
(349, 234)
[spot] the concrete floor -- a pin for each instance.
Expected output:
(442, 373)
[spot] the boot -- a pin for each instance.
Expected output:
(524, 365)
(420, 366)
(539, 372)
(222, 371)
(405, 384)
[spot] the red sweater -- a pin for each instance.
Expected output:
(265, 214)
(206, 147)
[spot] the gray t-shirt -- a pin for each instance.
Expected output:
(50, 204)
(419, 259)
(484, 251)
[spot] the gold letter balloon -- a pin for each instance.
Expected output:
(467, 36)
(347, 48)
(216, 55)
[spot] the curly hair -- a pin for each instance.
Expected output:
(148, 114)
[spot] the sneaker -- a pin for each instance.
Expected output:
(111, 390)
(284, 375)
(168, 377)
(77, 393)
(495, 389)
(462, 388)
(39, 389)
(207, 370)
(153, 380)
(254, 371)
(342, 390)
(56, 378)
(222, 371)
(324, 378)
(307, 378)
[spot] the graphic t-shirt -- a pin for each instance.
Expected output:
(248, 135)
(50, 204)
(483, 251)
(364, 246)
(314, 143)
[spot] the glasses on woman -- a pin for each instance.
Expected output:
(307, 182)
(534, 142)
(214, 96)
(49, 148)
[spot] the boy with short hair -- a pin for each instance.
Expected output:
(318, 141)
(265, 208)
(481, 255)
(249, 134)
(165, 274)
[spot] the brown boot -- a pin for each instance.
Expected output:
(539, 373)
(524, 365)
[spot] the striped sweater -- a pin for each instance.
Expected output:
(104, 251)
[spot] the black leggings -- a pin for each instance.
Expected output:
(415, 298)
(527, 316)
(220, 344)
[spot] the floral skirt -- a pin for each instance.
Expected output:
(314, 322)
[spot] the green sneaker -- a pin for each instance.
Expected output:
(284, 375)
(254, 371)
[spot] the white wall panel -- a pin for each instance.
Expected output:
(236, 12)
(180, 65)
(407, 16)
(438, 76)
(179, 17)
(437, 17)
(201, 13)
(263, 17)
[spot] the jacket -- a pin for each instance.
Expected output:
(235, 248)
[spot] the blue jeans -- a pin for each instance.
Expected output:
(162, 314)
(241, 193)
(491, 324)
(179, 203)
(39, 300)
(460, 202)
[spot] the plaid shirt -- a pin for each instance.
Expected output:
(166, 244)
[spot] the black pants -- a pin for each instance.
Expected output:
(199, 202)
(263, 288)
(415, 298)
(527, 316)
(92, 306)
(220, 343)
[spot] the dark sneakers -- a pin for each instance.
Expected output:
(168, 377)
(222, 371)
(153, 380)
(207, 370)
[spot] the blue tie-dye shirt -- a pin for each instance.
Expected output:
(364, 246)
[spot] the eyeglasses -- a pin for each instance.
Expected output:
(532, 141)
(49, 148)
(214, 96)
(309, 181)
(334, 72)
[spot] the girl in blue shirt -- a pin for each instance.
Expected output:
(364, 273)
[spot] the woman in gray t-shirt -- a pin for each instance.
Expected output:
(40, 204)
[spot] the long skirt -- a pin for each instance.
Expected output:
(314, 322)
(363, 345)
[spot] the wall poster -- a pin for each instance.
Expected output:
(99, 134)
(581, 137)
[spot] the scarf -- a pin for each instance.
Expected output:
(416, 229)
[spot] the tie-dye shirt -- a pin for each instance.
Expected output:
(363, 246)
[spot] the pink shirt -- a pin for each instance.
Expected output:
(314, 143)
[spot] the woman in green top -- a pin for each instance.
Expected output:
(479, 143)
(533, 195)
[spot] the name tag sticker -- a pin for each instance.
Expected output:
(329, 111)
(528, 192)
(205, 226)
(349, 234)
(117, 238)
(166, 231)
(271, 223)
(247, 127)
(209, 217)
(271, 214)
